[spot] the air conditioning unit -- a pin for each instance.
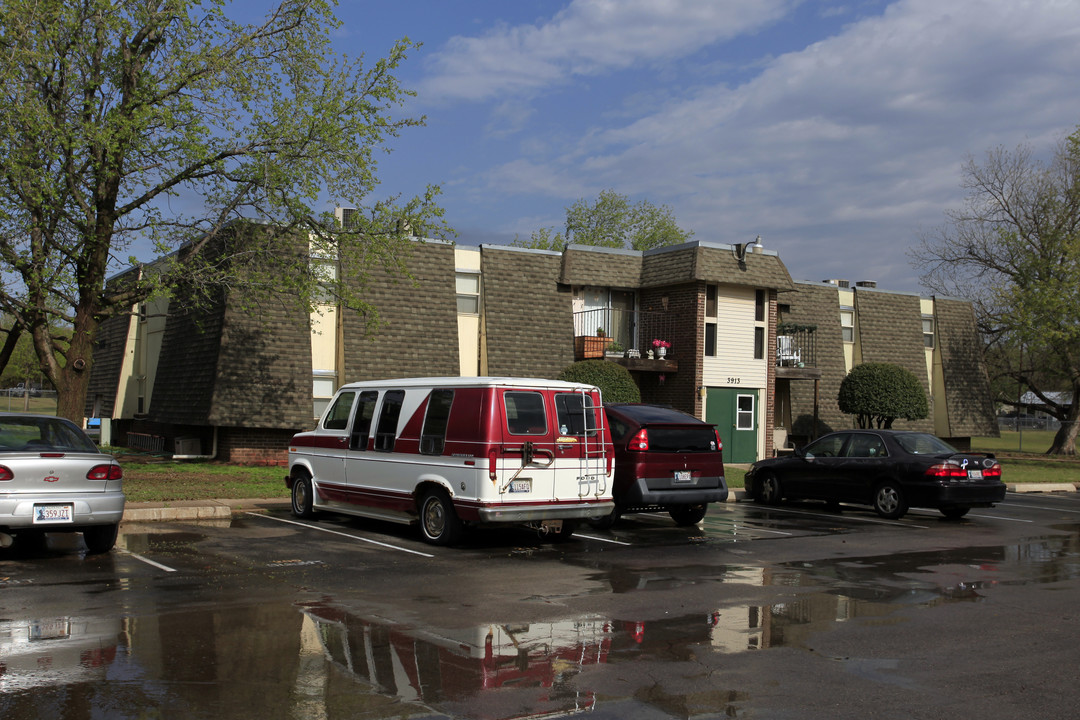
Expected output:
(187, 446)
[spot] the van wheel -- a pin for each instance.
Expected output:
(100, 538)
(438, 521)
(303, 497)
(685, 515)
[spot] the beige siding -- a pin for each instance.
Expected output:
(734, 365)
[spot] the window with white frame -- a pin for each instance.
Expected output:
(928, 331)
(323, 385)
(847, 324)
(468, 293)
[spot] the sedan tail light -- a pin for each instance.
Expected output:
(640, 441)
(6, 474)
(946, 471)
(105, 472)
(994, 471)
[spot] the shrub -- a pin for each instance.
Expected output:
(878, 393)
(613, 379)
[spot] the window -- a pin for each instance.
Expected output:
(847, 324)
(525, 413)
(759, 306)
(711, 294)
(827, 446)
(322, 390)
(433, 436)
(710, 339)
(744, 412)
(759, 343)
(386, 431)
(710, 301)
(468, 293)
(865, 446)
(361, 428)
(338, 416)
(576, 414)
(928, 330)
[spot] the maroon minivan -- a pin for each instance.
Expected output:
(665, 460)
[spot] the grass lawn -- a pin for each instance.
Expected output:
(1022, 457)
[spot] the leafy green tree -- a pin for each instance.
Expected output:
(156, 125)
(879, 393)
(615, 382)
(612, 221)
(1014, 250)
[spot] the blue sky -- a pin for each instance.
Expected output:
(835, 130)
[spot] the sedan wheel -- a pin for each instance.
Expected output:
(769, 490)
(100, 538)
(954, 513)
(889, 501)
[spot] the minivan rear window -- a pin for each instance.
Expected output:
(682, 439)
(525, 413)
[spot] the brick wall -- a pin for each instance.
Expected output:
(684, 323)
(254, 446)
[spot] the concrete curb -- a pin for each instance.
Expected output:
(1041, 487)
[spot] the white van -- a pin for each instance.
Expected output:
(452, 452)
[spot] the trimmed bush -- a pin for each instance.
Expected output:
(878, 393)
(613, 379)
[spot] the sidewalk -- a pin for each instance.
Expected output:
(211, 509)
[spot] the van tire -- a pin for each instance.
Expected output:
(439, 522)
(303, 496)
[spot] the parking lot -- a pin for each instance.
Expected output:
(794, 611)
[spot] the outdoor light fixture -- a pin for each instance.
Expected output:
(739, 250)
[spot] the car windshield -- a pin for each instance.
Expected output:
(924, 444)
(44, 434)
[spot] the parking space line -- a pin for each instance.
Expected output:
(773, 508)
(148, 561)
(607, 540)
(336, 532)
(1038, 507)
(1001, 517)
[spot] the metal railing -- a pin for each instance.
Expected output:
(796, 345)
(615, 330)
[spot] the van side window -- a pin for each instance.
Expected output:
(576, 414)
(525, 413)
(337, 418)
(361, 427)
(386, 432)
(433, 436)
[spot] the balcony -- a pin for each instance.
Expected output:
(625, 337)
(796, 351)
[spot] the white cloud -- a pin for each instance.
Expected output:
(587, 38)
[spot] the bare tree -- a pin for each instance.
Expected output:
(1014, 250)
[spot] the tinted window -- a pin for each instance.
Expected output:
(386, 432)
(865, 446)
(338, 416)
(433, 436)
(681, 439)
(923, 444)
(365, 411)
(576, 414)
(525, 413)
(828, 446)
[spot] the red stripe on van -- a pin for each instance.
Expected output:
(320, 441)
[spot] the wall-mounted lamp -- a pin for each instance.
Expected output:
(739, 250)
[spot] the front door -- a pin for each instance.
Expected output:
(734, 412)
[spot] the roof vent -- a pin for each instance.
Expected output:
(838, 283)
(866, 284)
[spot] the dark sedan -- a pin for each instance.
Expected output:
(891, 470)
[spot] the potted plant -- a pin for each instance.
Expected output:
(660, 347)
(615, 349)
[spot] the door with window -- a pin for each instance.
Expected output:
(734, 412)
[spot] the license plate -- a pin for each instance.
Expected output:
(521, 486)
(46, 514)
(974, 474)
(682, 476)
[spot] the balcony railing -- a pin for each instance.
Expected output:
(611, 330)
(796, 345)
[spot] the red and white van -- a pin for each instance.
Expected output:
(451, 452)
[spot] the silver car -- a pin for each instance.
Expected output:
(53, 478)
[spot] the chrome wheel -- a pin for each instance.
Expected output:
(889, 501)
(438, 521)
(769, 490)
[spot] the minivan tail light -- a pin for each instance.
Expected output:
(719, 442)
(639, 441)
(105, 472)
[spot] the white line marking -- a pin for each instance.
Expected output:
(148, 561)
(1038, 507)
(335, 532)
(1001, 517)
(752, 528)
(607, 540)
(773, 508)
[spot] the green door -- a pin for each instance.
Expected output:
(734, 411)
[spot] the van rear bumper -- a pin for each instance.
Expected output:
(527, 513)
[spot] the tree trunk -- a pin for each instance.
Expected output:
(1065, 439)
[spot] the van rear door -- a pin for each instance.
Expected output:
(581, 447)
(528, 447)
